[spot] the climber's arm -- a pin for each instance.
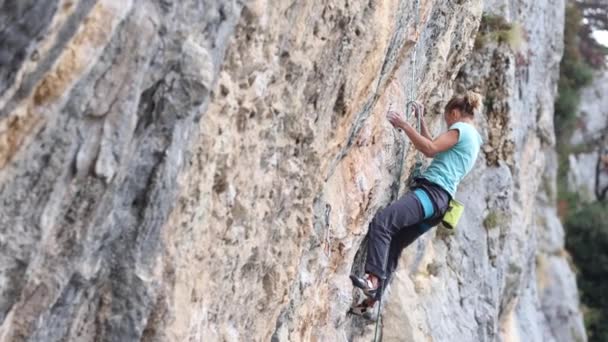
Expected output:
(419, 112)
(427, 146)
(430, 147)
(424, 130)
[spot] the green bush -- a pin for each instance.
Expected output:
(492, 22)
(565, 110)
(586, 224)
(577, 72)
(495, 28)
(587, 241)
(493, 220)
(574, 74)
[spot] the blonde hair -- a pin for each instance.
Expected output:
(466, 104)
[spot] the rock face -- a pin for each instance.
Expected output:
(588, 163)
(99, 106)
(206, 170)
(593, 111)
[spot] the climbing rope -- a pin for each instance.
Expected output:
(411, 103)
(409, 109)
(417, 108)
(379, 311)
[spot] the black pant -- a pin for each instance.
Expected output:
(398, 225)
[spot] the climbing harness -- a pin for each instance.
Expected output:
(425, 202)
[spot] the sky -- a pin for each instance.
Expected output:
(601, 37)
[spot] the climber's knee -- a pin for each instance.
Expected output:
(378, 224)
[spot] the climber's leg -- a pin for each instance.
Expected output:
(396, 227)
(405, 237)
(388, 223)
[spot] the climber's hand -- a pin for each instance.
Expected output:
(396, 119)
(418, 109)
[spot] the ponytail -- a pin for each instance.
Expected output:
(466, 104)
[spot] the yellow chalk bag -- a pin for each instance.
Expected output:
(453, 214)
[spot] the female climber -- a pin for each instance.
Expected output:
(403, 221)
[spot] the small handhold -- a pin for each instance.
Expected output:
(197, 62)
(106, 164)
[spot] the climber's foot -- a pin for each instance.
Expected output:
(368, 283)
(365, 309)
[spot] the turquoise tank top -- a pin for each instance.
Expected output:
(448, 168)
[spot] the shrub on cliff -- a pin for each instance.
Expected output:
(575, 73)
(493, 28)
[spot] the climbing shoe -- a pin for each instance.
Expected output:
(365, 284)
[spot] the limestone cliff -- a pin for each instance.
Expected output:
(206, 170)
(588, 163)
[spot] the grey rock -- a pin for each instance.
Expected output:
(587, 170)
